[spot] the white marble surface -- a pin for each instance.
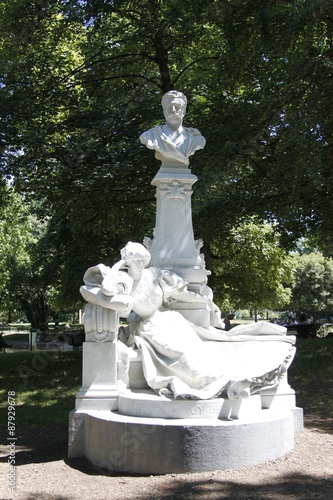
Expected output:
(173, 144)
(145, 403)
(163, 446)
(181, 359)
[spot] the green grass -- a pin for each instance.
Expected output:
(311, 374)
(45, 383)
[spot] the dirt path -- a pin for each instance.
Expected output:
(43, 472)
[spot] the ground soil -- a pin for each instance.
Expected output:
(43, 472)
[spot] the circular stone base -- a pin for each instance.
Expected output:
(162, 446)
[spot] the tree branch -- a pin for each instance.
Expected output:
(192, 63)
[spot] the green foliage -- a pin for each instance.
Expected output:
(275, 141)
(22, 280)
(79, 82)
(324, 330)
(16, 236)
(313, 287)
(251, 268)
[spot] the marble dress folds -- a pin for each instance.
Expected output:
(183, 361)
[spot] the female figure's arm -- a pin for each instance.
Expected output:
(108, 288)
(175, 289)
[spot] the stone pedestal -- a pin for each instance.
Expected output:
(283, 396)
(147, 404)
(99, 377)
(173, 246)
(99, 360)
(194, 435)
(280, 396)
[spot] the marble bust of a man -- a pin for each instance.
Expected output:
(173, 143)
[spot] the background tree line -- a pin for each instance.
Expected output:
(79, 82)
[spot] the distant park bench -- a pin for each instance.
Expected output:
(76, 339)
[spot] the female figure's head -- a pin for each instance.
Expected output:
(135, 256)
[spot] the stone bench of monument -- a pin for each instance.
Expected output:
(280, 396)
(113, 376)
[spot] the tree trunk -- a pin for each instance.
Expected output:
(163, 63)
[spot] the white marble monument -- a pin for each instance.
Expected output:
(172, 391)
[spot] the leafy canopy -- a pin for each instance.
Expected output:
(251, 268)
(79, 82)
(312, 291)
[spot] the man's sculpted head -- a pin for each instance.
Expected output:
(174, 94)
(173, 143)
(174, 108)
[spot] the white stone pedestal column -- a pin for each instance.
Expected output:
(99, 377)
(173, 246)
(99, 391)
(99, 371)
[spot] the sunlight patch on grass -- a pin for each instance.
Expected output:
(45, 384)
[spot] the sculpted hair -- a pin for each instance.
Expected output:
(174, 94)
(135, 251)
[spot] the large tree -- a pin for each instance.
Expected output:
(23, 289)
(272, 136)
(15, 236)
(79, 81)
(312, 291)
(250, 269)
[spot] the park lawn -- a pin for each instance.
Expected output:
(311, 375)
(45, 383)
